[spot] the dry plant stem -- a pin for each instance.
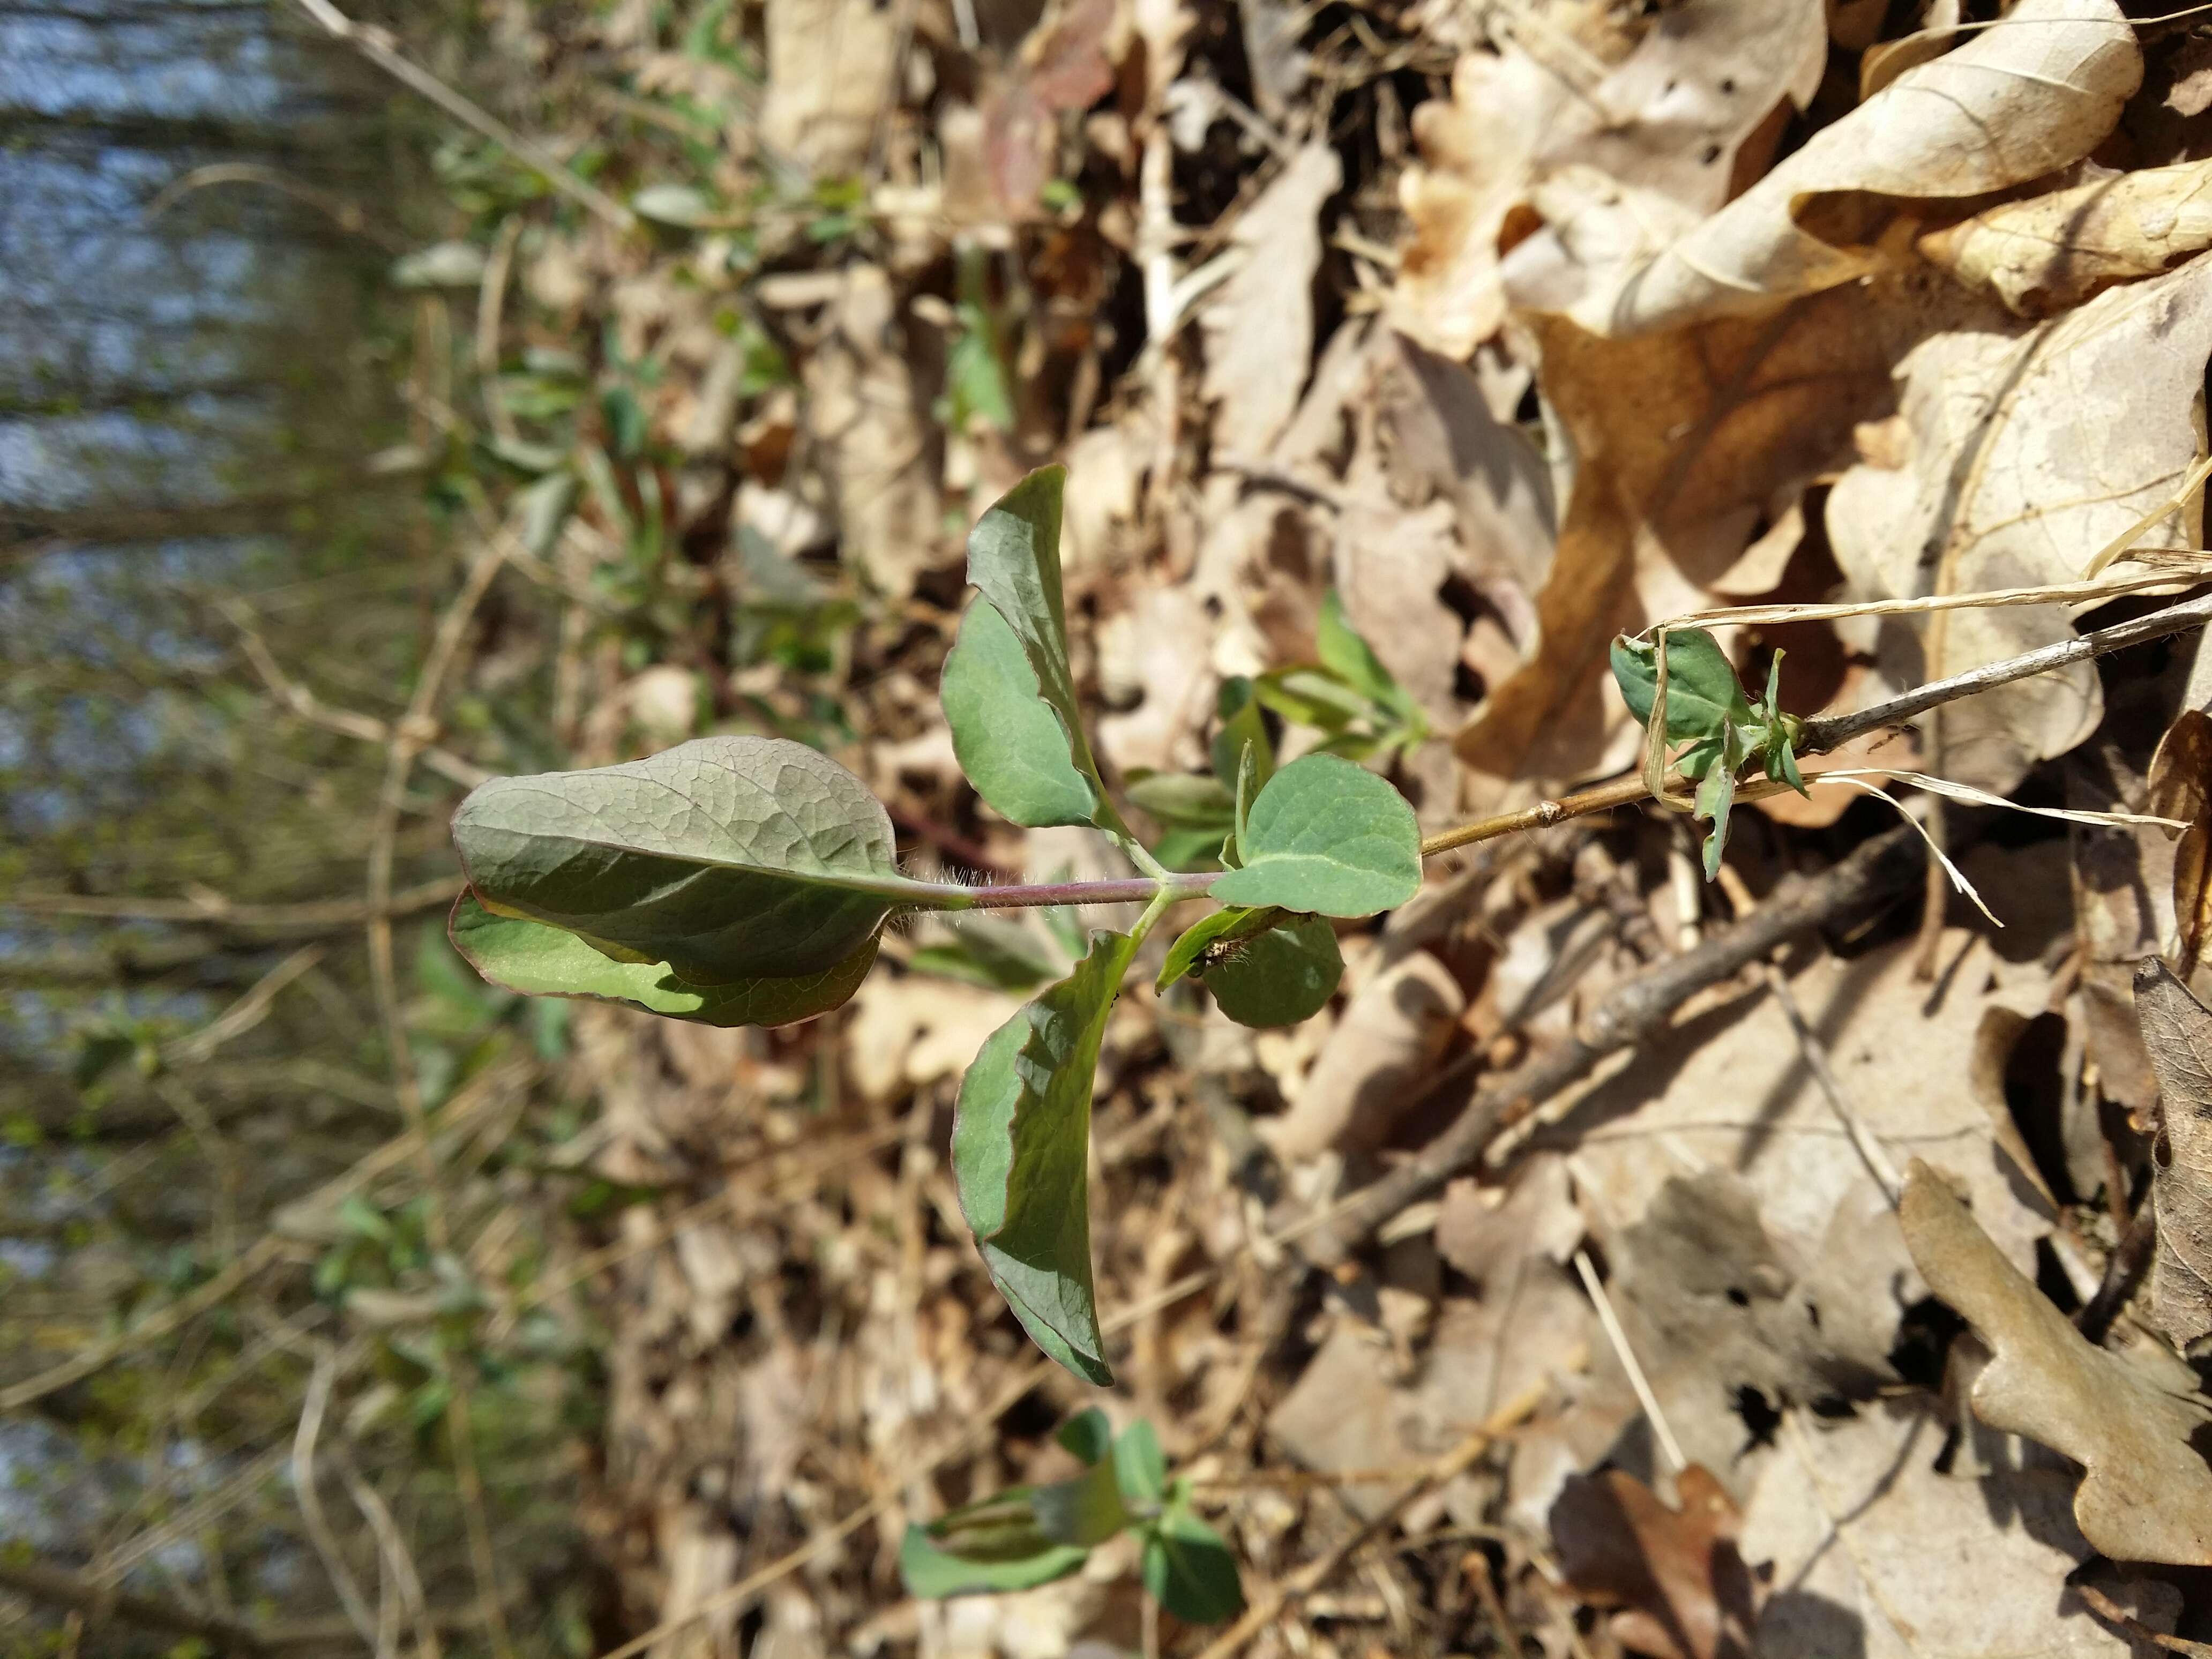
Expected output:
(325, 913)
(76, 1591)
(376, 45)
(409, 735)
(1285, 1596)
(2106, 1608)
(311, 1503)
(1879, 869)
(1816, 1061)
(2124, 1271)
(1613, 1334)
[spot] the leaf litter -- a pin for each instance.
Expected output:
(1493, 332)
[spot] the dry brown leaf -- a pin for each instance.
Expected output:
(1488, 1240)
(2180, 786)
(1680, 442)
(2011, 104)
(1668, 118)
(1259, 323)
(1374, 1063)
(1878, 1547)
(2176, 1028)
(830, 65)
(2146, 1494)
(2048, 254)
(1685, 1590)
(867, 410)
(2030, 451)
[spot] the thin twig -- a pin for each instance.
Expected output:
(318, 1525)
(1285, 1596)
(379, 47)
(1626, 1355)
(213, 908)
(1879, 869)
(407, 739)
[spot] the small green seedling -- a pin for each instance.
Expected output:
(1030, 1535)
(1707, 710)
(747, 881)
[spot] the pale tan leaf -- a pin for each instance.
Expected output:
(1667, 120)
(2011, 104)
(2146, 1494)
(829, 74)
(1259, 323)
(1374, 1063)
(2177, 1029)
(2030, 448)
(2048, 254)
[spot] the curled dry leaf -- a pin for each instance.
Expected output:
(2030, 451)
(2048, 254)
(2177, 1029)
(2011, 104)
(1668, 119)
(2146, 1494)
(1684, 1591)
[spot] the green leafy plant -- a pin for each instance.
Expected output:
(746, 880)
(1725, 733)
(1030, 1535)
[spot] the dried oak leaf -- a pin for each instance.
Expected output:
(2009, 107)
(1259, 325)
(2030, 450)
(1879, 1547)
(2049, 252)
(1684, 1590)
(2176, 1028)
(1669, 119)
(2146, 1494)
(2181, 788)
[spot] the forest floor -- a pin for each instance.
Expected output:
(1812, 1262)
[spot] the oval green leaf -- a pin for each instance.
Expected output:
(1702, 693)
(1190, 1570)
(728, 859)
(1013, 561)
(1007, 739)
(1022, 1559)
(1327, 836)
(541, 961)
(1279, 977)
(1021, 1156)
(1222, 927)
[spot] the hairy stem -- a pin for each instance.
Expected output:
(1131, 889)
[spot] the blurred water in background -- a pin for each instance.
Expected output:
(195, 227)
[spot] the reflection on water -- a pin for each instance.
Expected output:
(149, 362)
(184, 396)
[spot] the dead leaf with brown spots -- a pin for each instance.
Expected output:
(2177, 1029)
(2146, 1494)
(1683, 1590)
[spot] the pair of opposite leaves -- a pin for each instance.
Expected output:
(746, 880)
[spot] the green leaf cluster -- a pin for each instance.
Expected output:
(1724, 732)
(1031, 1535)
(1348, 695)
(746, 880)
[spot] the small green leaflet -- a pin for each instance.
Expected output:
(1242, 727)
(1279, 977)
(994, 952)
(1021, 1152)
(1013, 561)
(1342, 650)
(1707, 710)
(1008, 741)
(1187, 1566)
(530, 957)
(1327, 836)
(1018, 1538)
(728, 859)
